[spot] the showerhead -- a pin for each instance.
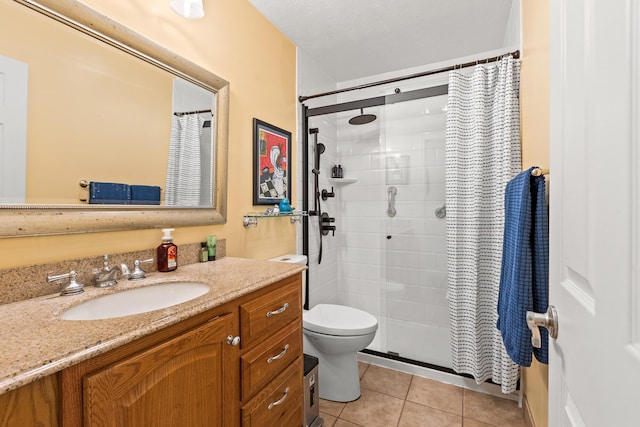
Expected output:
(362, 119)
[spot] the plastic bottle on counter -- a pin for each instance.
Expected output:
(167, 252)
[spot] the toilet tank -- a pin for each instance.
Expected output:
(295, 259)
(292, 258)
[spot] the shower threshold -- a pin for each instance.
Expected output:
(443, 374)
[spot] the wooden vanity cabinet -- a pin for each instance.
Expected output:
(271, 357)
(183, 375)
(33, 404)
(189, 375)
(176, 383)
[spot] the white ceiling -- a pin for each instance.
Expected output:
(359, 38)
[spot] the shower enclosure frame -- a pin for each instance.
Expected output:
(307, 112)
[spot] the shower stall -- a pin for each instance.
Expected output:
(387, 255)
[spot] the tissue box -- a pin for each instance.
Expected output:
(109, 193)
(145, 194)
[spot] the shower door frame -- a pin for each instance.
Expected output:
(394, 98)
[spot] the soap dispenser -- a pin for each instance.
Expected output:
(167, 252)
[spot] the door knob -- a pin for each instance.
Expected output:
(547, 320)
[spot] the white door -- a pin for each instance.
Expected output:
(13, 130)
(594, 366)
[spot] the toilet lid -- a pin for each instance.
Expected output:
(340, 320)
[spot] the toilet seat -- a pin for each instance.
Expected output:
(340, 320)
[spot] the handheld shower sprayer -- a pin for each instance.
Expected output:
(319, 149)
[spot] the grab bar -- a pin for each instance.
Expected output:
(391, 193)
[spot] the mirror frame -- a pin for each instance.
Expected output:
(42, 220)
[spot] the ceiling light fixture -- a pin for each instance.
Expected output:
(191, 9)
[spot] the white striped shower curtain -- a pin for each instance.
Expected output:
(183, 170)
(482, 155)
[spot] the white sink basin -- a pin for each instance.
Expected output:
(135, 301)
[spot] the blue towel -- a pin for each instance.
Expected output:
(524, 280)
(109, 193)
(145, 194)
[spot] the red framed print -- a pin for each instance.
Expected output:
(271, 163)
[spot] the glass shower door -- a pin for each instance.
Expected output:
(413, 186)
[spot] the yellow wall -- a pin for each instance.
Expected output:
(78, 100)
(237, 43)
(534, 98)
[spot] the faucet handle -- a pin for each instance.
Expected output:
(138, 273)
(105, 262)
(71, 288)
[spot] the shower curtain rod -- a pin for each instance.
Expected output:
(515, 54)
(186, 113)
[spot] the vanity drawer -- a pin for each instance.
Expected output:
(279, 403)
(264, 316)
(263, 363)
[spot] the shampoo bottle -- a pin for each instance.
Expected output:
(212, 242)
(167, 252)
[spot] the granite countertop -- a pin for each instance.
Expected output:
(37, 343)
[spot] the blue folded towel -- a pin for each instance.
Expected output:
(524, 280)
(109, 193)
(145, 194)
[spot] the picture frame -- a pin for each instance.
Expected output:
(271, 163)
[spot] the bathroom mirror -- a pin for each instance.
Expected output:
(82, 135)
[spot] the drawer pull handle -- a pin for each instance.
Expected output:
(279, 356)
(278, 311)
(279, 401)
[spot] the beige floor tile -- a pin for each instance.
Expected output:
(445, 397)
(343, 423)
(329, 420)
(362, 368)
(331, 408)
(492, 410)
(387, 381)
(373, 409)
(470, 422)
(414, 415)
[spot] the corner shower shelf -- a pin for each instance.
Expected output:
(251, 218)
(342, 181)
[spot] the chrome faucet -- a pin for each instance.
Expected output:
(72, 287)
(108, 276)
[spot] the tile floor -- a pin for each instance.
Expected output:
(391, 398)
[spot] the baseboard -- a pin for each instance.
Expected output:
(528, 418)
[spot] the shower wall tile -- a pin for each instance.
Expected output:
(402, 279)
(420, 341)
(362, 256)
(362, 240)
(436, 314)
(360, 271)
(361, 286)
(406, 310)
(360, 225)
(369, 303)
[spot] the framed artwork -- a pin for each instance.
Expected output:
(271, 166)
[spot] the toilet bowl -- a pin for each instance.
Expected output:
(334, 334)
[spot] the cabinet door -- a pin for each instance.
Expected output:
(177, 383)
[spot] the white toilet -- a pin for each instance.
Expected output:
(334, 334)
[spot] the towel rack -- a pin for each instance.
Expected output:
(539, 171)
